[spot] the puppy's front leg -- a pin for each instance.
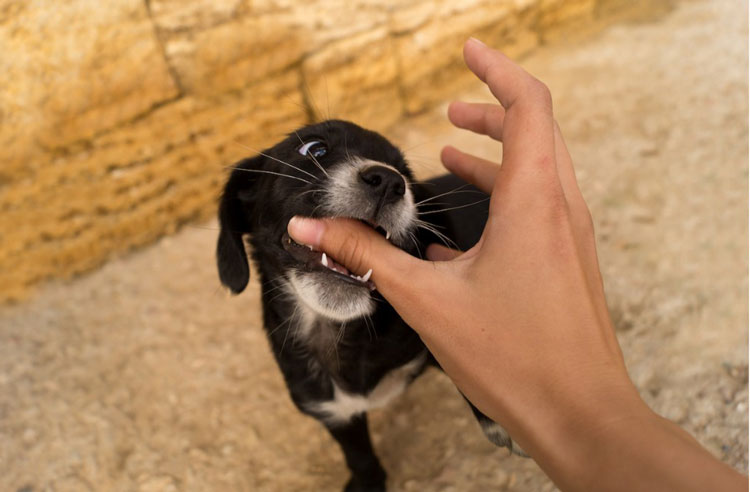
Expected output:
(354, 439)
(494, 432)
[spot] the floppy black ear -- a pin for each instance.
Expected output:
(235, 210)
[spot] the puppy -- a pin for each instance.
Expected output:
(341, 348)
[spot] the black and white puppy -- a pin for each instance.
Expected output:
(342, 349)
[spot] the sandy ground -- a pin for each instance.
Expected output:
(145, 376)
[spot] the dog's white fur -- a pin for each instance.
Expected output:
(344, 406)
(313, 289)
(319, 298)
(343, 187)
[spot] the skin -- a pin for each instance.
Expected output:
(520, 321)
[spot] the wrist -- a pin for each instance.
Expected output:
(618, 443)
(570, 431)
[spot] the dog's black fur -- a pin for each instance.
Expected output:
(333, 365)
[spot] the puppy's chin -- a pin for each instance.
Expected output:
(331, 297)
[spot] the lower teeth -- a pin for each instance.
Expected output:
(335, 267)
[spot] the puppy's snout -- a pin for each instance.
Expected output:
(383, 181)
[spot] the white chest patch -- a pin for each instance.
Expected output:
(345, 405)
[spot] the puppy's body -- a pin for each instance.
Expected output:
(342, 349)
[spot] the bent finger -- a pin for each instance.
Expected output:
(475, 170)
(528, 127)
(482, 118)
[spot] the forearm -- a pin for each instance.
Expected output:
(637, 451)
(519, 321)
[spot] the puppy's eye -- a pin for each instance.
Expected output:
(314, 148)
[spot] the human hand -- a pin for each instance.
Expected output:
(528, 297)
(519, 322)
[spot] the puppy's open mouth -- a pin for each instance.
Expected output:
(317, 261)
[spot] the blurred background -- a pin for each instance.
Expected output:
(124, 366)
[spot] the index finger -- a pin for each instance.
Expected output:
(528, 129)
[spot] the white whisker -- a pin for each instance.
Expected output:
(278, 160)
(460, 189)
(279, 326)
(312, 156)
(283, 293)
(369, 323)
(453, 208)
(346, 149)
(294, 313)
(445, 239)
(416, 244)
(314, 190)
(263, 171)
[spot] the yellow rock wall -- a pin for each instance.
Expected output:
(117, 118)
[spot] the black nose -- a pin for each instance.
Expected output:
(384, 182)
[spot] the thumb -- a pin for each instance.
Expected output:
(359, 248)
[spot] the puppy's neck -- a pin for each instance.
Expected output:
(322, 337)
(326, 342)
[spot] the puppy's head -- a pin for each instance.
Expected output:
(330, 169)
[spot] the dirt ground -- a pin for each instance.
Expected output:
(145, 376)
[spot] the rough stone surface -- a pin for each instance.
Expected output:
(107, 108)
(338, 75)
(553, 13)
(73, 71)
(135, 183)
(431, 62)
(234, 54)
(233, 44)
(179, 16)
(144, 376)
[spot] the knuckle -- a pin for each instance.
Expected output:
(583, 220)
(540, 89)
(559, 211)
(563, 241)
(556, 209)
(585, 217)
(540, 93)
(569, 229)
(557, 127)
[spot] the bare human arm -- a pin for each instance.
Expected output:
(520, 321)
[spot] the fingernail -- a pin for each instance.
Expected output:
(476, 41)
(305, 230)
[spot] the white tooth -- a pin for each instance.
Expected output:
(311, 248)
(367, 275)
(324, 260)
(387, 235)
